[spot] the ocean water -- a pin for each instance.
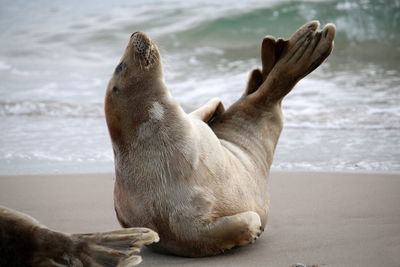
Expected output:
(56, 58)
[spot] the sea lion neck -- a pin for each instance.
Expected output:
(140, 116)
(136, 93)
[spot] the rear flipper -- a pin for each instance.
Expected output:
(270, 52)
(293, 60)
(25, 242)
(290, 60)
(284, 63)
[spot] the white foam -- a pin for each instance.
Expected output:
(52, 109)
(346, 6)
(209, 50)
(4, 66)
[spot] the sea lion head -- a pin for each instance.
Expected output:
(137, 82)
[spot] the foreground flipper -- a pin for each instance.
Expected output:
(25, 242)
(117, 246)
(209, 110)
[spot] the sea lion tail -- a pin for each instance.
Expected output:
(116, 248)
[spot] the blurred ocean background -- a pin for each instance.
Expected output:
(56, 58)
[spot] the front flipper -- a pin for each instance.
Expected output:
(207, 112)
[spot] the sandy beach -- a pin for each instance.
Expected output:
(327, 219)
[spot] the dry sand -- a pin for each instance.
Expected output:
(328, 219)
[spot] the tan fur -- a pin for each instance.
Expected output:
(201, 180)
(209, 111)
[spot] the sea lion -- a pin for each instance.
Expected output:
(201, 180)
(26, 242)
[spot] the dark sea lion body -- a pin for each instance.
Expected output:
(26, 242)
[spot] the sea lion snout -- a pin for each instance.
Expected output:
(143, 49)
(141, 42)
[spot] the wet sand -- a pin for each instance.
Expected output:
(327, 219)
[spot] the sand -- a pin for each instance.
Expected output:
(328, 219)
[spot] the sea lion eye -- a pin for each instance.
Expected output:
(115, 90)
(119, 68)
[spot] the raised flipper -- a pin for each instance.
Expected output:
(303, 53)
(255, 81)
(292, 60)
(208, 111)
(257, 76)
(268, 56)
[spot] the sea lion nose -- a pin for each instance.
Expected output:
(133, 34)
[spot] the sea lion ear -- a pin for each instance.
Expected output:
(209, 111)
